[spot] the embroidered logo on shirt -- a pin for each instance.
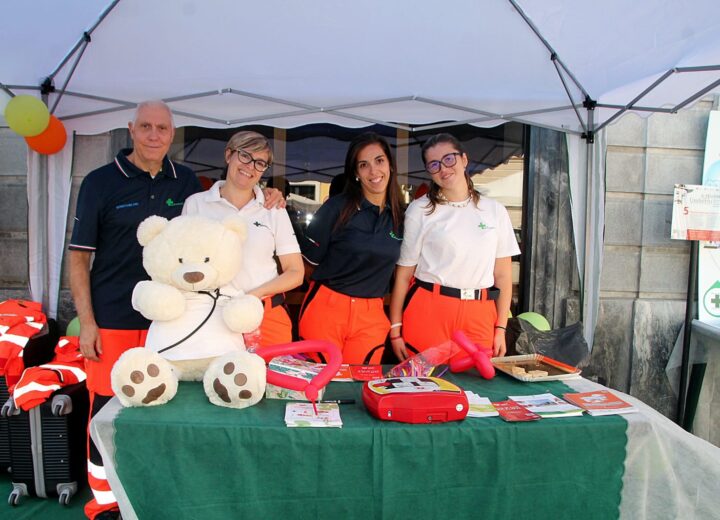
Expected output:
(393, 235)
(482, 225)
(128, 205)
(170, 203)
(259, 224)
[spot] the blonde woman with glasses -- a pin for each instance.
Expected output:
(270, 234)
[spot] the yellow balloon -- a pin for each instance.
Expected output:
(27, 115)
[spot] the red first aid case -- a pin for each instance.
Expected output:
(416, 400)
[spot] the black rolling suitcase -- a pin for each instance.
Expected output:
(39, 350)
(48, 445)
(4, 433)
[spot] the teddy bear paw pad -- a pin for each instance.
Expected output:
(143, 378)
(137, 377)
(236, 380)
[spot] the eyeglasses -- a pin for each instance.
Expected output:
(246, 158)
(448, 160)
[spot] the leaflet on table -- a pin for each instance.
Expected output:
(302, 415)
(512, 411)
(366, 372)
(547, 405)
(357, 373)
(293, 367)
(480, 406)
(600, 402)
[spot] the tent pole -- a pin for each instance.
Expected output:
(589, 284)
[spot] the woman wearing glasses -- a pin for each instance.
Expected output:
(270, 232)
(351, 246)
(454, 271)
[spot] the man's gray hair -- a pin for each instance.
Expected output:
(153, 103)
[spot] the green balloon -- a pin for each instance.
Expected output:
(73, 328)
(536, 320)
(27, 115)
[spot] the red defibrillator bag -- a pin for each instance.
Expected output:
(415, 399)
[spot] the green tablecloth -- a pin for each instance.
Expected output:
(190, 459)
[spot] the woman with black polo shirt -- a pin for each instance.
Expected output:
(351, 246)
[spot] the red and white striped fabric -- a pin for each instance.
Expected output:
(37, 383)
(20, 320)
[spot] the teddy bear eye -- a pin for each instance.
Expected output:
(180, 260)
(207, 259)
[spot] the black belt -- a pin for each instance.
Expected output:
(491, 293)
(277, 299)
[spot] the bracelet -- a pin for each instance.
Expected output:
(500, 327)
(395, 325)
(395, 337)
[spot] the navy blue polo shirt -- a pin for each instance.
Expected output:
(358, 259)
(112, 202)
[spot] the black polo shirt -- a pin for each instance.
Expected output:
(112, 202)
(357, 260)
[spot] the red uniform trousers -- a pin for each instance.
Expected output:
(114, 343)
(276, 327)
(358, 326)
(430, 318)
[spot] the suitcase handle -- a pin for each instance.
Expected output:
(8, 409)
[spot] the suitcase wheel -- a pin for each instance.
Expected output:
(64, 497)
(65, 492)
(19, 491)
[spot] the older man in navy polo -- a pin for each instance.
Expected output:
(112, 202)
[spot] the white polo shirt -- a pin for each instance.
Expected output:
(269, 233)
(457, 246)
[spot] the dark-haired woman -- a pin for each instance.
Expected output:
(454, 271)
(352, 245)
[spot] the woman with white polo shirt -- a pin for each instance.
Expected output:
(270, 233)
(454, 271)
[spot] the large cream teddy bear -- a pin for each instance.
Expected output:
(197, 316)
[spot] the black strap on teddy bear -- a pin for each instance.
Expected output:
(215, 296)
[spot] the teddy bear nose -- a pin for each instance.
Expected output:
(193, 277)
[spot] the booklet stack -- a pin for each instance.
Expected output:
(480, 406)
(547, 405)
(294, 367)
(302, 415)
(600, 402)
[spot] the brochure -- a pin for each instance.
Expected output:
(547, 405)
(480, 406)
(302, 415)
(512, 411)
(600, 402)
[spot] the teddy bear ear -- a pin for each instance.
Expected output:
(150, 228)
(237, 224)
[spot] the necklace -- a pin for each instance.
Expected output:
(454, 204)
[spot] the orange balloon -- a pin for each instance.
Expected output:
(52, 140)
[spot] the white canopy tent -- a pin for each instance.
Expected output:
(570, 65)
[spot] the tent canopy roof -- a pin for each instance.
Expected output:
(285, 63)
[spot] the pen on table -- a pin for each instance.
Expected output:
(337, 401)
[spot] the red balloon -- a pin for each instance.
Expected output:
(477, 357)
(313, 387)
(52, 140)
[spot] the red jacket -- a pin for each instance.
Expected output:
(38, 383)
(20, 320)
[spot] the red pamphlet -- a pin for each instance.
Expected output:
(512, 411)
